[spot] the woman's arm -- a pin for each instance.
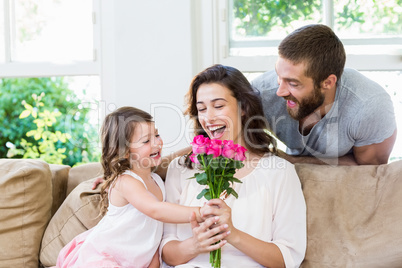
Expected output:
(203, 240)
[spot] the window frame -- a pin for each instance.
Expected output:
(47, 69)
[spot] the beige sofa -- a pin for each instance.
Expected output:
(354, 214)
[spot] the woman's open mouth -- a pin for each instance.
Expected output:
(217, 131)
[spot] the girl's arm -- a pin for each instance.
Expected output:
(137, 195)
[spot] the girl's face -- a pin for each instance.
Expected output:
(145, 146)
(219, 112)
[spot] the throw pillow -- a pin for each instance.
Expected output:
(78, 213)
(25, 204)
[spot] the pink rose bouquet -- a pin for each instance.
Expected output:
(219, 161)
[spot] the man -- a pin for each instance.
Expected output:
(323, 113)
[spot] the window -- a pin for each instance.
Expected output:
(51, 47)
(37, 41)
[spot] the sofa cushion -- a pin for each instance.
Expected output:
(78, 213)
(59, 184)
(354, 215)
(25, 203)
(81, 173)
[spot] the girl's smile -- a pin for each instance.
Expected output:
(145, 146)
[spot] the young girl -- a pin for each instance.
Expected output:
(132, 199)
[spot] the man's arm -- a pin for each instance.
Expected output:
(373, 154)
(346, 160)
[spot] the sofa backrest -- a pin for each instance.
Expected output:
(354, 215)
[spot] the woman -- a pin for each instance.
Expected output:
(266, 225)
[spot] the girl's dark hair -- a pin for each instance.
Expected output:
(116, 132)
(319, 48)
(254, 125)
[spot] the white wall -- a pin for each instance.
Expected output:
(147, 61)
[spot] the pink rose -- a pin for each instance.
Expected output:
(200, 144)
(239, 152)
(194, 159)
(215, 148)
(228, 149)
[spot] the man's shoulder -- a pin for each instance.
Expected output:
(266, 82)
(356, 83)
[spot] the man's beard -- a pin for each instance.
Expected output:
(307, 105)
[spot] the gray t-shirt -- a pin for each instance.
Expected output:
(362, 114)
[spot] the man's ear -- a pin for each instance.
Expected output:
(330, 82)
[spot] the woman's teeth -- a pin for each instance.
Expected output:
(217, 131)
(215, 128)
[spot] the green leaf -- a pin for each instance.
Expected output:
(230, 191)
(204, 192)
(31, 133)
(28, 106)
(37, 136)
(236, 180)
(25, 114)
(202, 178)
(238, 164)
(215, 163)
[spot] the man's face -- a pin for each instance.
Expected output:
(302, 98)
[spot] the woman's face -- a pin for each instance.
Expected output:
(219, 113)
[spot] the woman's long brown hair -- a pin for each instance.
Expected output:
(254, 125)
(116, 132)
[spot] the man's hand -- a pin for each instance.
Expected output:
(97, 181)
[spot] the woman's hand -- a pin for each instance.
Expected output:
(219, 208)
(206, 234)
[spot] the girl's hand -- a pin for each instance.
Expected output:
(205, 235)
(204, 212)
(218, 207)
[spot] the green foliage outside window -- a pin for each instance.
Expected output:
(45, 140)
(66, 118)
(259, 17)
